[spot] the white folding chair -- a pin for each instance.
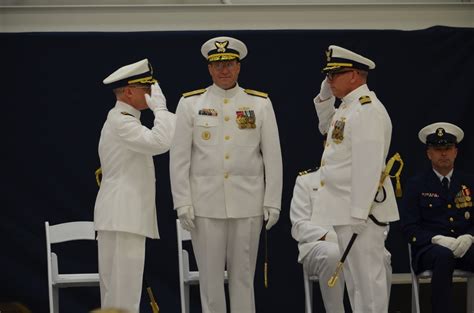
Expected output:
(62, 233)
(308, 290)
(186, 276)
(426, 275)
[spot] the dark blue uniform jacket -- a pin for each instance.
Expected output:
(427, 211)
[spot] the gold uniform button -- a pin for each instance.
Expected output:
(323, 163)
(413, 239)
(226, 156)
(226, 118)
(449, 206)
(451, 219)
(227, 137)
(322, 183)
(327, 145)
(430, 205)
(226, 175)
(452, 230)
(226, 101)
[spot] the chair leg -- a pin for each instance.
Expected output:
(415, 296)
(308, 300)
(186, 299)
(470, 295)
(55, 308)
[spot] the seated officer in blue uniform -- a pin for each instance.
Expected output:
(436, 214)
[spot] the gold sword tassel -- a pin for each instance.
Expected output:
(154, 305)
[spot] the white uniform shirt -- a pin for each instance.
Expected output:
(126, 198)
(222, 170)
(306, 232)
(353, 160)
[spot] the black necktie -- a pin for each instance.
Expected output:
(445, 183)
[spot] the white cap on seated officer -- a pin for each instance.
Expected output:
(441, 134)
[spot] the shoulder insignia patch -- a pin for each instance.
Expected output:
(256, 93)
(308, 171)
(126, 113)
(194, 93)
(364, 100)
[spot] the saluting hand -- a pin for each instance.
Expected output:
(157, 100)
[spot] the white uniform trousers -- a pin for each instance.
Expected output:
(322, 261)
(231, 242)
(367, 269)
(121, 264)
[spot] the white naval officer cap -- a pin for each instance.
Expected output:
(140, 72)
(338, 58)
(441, 134)
(223, 49)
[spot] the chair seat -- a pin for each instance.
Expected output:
(76, 280)
(456, 273)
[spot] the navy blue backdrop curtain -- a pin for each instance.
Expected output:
(54, 105)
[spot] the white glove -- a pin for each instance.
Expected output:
(326, 91)
(447, 242)
(464, 243)
(157, 100)
(271, 215)
(186, 217)
(359, 226)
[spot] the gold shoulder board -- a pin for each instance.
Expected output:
(194, 93)
(307, 171)
(256, 93)
(126, 113)
(364, 100)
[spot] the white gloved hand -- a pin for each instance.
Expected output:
(447, 242)
(359, 226)
(464, 243)
(271, 215)
(157, 100)
(326, 91)
(186, 217)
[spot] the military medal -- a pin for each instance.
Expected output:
(206, 135)
(208, 112)
(245, 118)
(338, 130)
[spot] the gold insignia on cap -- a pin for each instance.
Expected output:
(328, 55)
(364, 100)
(440, 132)
(221, 46)
(467, 215)
(206, 135)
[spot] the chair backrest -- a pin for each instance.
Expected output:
(82, 230)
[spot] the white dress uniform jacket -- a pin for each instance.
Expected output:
(319, 257)
(358, 140)
(304, 230)
(222, 170)
(126, 199)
